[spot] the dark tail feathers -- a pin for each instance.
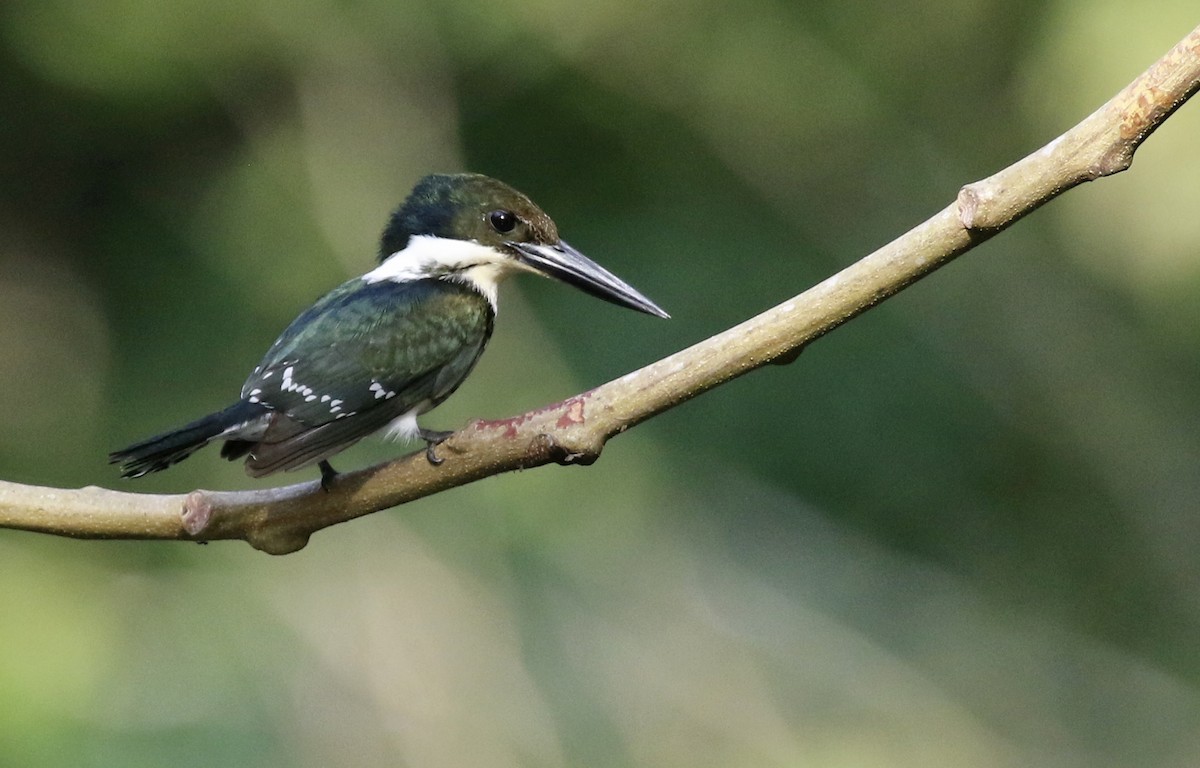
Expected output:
(161, 451)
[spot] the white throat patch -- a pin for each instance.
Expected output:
(429, 256)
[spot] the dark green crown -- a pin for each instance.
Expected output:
(458, 206)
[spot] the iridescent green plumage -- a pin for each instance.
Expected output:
(364, 355)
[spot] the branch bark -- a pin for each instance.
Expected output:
(281, 520)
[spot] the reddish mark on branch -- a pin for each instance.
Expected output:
(572, 412)
(1150, 104)
(197, 512)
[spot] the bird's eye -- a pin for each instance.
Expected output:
(503, 221)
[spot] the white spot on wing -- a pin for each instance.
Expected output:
(252, 429)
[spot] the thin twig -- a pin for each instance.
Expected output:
(280, 520)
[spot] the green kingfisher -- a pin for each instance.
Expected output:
(382, 349)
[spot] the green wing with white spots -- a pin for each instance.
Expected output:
(362, 356)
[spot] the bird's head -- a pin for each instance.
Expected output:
(477, 229)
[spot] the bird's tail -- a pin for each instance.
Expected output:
(161, 451)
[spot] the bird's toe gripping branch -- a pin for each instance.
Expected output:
(328, 474)
(433, 438)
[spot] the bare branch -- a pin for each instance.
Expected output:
(281, 520)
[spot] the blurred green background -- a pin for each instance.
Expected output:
(961, 530)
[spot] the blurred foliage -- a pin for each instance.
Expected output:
(959, 531)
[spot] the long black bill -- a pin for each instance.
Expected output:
(563, 262)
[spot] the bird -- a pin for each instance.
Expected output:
(382, 349)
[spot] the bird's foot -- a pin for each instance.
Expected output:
(433, 439)
(328, 474)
